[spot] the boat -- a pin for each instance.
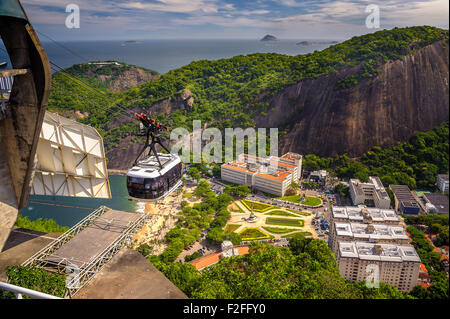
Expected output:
(3, 64)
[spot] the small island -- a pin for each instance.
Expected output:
(269, 37)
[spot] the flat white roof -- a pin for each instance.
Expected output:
(387, 252)
(361, 231)
(355, 214)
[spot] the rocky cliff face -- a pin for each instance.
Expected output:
(126, 79)
(408, 95)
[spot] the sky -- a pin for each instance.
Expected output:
(228, 19)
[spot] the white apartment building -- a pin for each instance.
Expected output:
(370, 215)
(273, 175)
(442, 183)
(372, 233)
(397, 265)
(369, 193)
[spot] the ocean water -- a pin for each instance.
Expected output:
(67, 211)
(165, 55)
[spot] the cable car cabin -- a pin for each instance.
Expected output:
(149, 182)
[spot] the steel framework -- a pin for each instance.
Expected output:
(79, 274)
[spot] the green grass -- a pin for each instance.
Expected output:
(299, 234)
(188, 195)
(291, 198)
(281, 213)
(299, 213)
(45, 226)
(285, 222)
(311, 201)
(231, 227)
(254, 234)
(257, 207)
(278, 230)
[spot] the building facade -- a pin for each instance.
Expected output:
(442, 183)
(405, 202)
(371, 193)
(272, 175)
(397, 265)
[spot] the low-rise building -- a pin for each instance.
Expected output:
(366, 215)
(372, 233)
(371, 193)
(272, 175)
(436, 203)
(397, 265)
(442, 183)
(405, 202)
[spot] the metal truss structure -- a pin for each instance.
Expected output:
(79, 273)
(70, 160)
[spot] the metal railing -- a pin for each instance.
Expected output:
(19, 291)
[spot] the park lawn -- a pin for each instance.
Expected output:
(257, 206)
(254, 234)
(278, 230)
(281, 213)
(291, 198)
(285, 222)
(188, 195)
(311, 201)
(299, 235)
(231, 227)
(299, 213)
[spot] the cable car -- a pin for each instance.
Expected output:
(157, 175)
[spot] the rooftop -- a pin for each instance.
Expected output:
(357, 214)
(265, 167)
(369, 231)
(378, 252)
(440, 201)
(443, 177)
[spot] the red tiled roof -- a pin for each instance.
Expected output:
(425, 285)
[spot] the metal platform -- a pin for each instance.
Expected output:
(83, 250)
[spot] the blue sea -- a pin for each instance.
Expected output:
(165, 55)
(158, 55)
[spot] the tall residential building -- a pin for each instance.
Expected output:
(372, 233)
(272, 175)
(397, 265)
(405, 202)
(442, 183)
(370, 215)
(371, 193)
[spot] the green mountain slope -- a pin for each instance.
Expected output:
(232, 92)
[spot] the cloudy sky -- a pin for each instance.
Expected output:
(205, 19)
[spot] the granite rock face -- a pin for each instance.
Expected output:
(409, 95)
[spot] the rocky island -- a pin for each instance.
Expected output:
(269, 37)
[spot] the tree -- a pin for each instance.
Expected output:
(238, 191)
(194, 173)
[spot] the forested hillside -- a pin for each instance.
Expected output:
(235, 92)
(415, 163)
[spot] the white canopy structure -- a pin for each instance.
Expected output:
(70, 160)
